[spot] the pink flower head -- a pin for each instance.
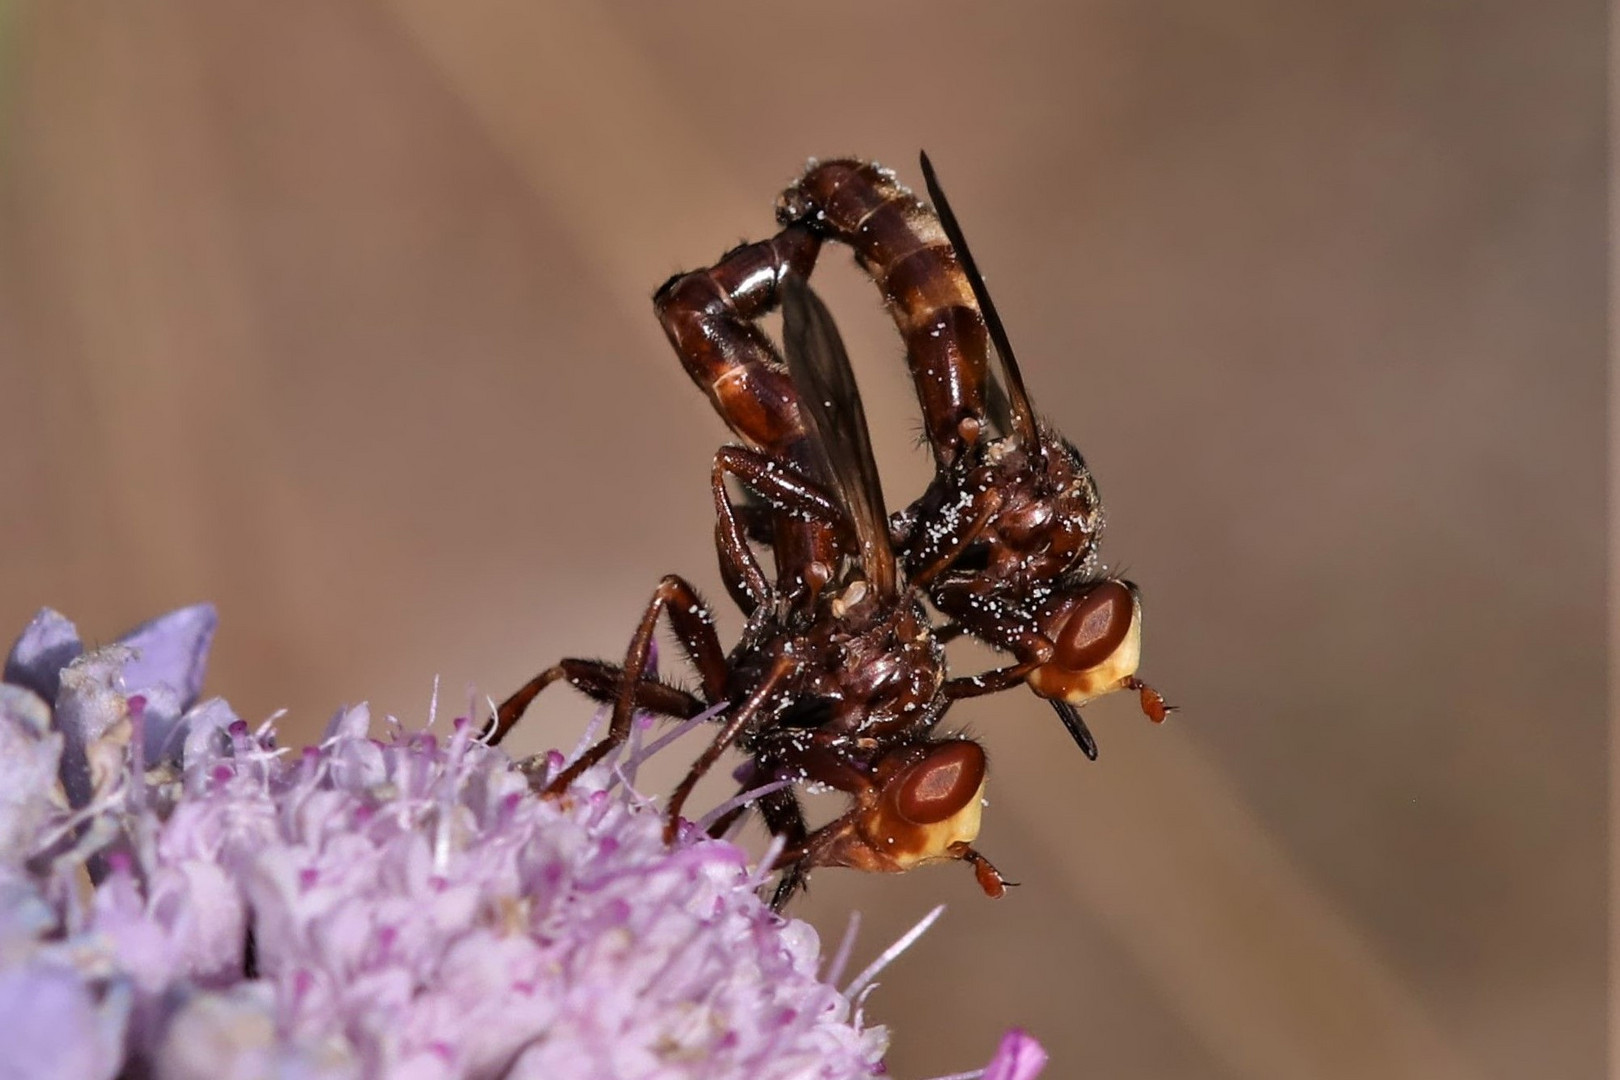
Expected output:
(401, 908)
(1019, 1057)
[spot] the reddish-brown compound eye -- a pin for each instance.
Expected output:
(1095, 628)
(941, 784)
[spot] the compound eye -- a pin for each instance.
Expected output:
(1096, 627)
(941, 784)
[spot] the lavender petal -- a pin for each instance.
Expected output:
(59, 1027)
(1019, 1057)
(402, 906)
(49, 644)
(171, 651)
(30, 756)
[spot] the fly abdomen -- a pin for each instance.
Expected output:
(898, 240)
(710, 318)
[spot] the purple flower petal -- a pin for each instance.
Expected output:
(171, 651)
(30, 755)
(400, 907)
(206, 729)
(49, 644)
(165, 665)
(232, 1036)
(166, 671)
(1019, 1057)
(58, 1027)
(25, 915)
(349, 722)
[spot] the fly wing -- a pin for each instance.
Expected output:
(831, 401)
(1008, 400)
(998, 404)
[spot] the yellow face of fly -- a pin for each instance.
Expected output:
(907, 844)
(1102, 676)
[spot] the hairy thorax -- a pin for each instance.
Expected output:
(1046, 524)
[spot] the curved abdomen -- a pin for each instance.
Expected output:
(710, 317)
(897, 239)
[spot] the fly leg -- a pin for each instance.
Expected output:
(739, 721)
(693, 626)
(784, 817)
(942, 551)
(595, 680)
(785, 490)
(1004, 628)
(999, 625)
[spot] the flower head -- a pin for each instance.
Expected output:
(395, 907)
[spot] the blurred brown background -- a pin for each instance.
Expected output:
(336, 313)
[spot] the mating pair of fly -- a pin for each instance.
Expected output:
(840, 677)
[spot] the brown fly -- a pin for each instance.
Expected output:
(1013, 510)
(838, 677)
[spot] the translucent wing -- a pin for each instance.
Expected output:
(1008, 401)
(821, 372)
